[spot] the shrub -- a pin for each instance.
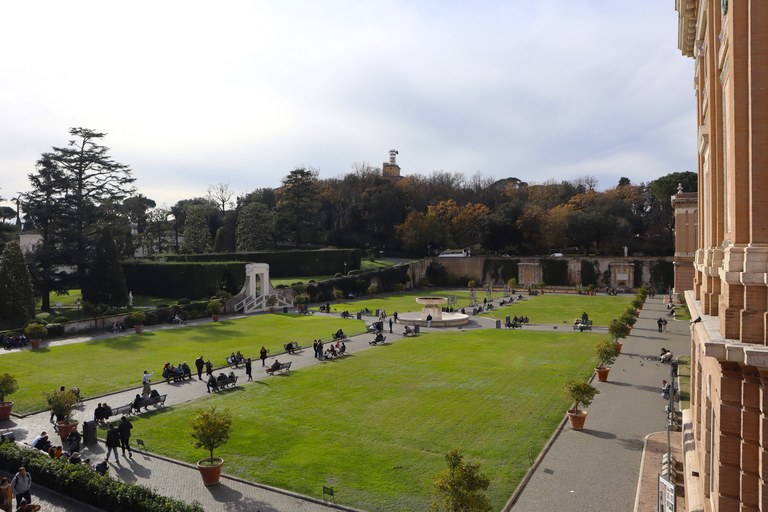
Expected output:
(183, 302)
(373, 289)
(471, 284)
(60, 320)
(214, 307)
(138, 318)
(579, 393)
(162, 315)
(110, 312)
(210, 429)
(311, 281)
(62, 403)
(8, 385)
(281, 287)
(461, 487)
(55, 330)
(82, 484)
(618, 330)
(193, 315)
(35, 330)
(606, 352)
(338, 275)
(300, 299)
(338, 294)
(151, 319)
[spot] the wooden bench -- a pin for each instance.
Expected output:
(583, 327)
(291, 347)
(178, 378)
(235, 361)
(145, 403)
(374, 342)
(284, 367)
(123, 410)
(345, 314)
(514, 325)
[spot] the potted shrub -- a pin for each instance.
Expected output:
(210, 429)
(606, 354)
(300, 300)
(372, 290)
(541, 285)
(424, 282)
(591, 289)
(580, 394)
(272, 302)
(618, 330)
(35, 332)
(8, 386)
(471, 285)
(138, 318)
(399, 288)
(62, 403)
(636, 303)
(214, 307)
(339, 295)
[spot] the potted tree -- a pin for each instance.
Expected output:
(214, 307)
(372, 290)
(339, 295)
(541, 285)
(272, 302)
(591, 289)
(35, 332)
(580, 394)
(138, 318)
(424, 282)
(8, 386)
(300, 300)
(210, 429)
(62, 402)
(636, 303)
(618, 330)
(471, 285)
(399, 288)
(606, 354)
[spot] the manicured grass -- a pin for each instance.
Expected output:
(373, 265)
(117, 363)
(394, 302)
(564, 309)
(288, 281)
(375, 424)
(69, 307)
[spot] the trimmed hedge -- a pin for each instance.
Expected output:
(388, 278)
(554, 272)
(181, 280)
(86, 486)
(281, 264)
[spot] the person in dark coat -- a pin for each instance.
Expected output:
(124, 429)
(113, 441)
(248, 368)
(263, 356)
(199, 364)
(74, 439)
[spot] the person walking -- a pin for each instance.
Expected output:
(200, 364)
(394, 315)
(314, 347)
(660, 323)
(248, 369)
(21, 484)
(124, 429)
(145, 380)
(664, 325)
(113, 441)
(263, 356)
(390, 325)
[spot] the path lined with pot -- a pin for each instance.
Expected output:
(181, 480)
(597, 469)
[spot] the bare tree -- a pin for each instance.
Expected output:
(220, 194)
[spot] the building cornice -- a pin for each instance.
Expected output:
(686, 26)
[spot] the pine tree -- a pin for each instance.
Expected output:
(255, 228)
(17, 299)
(298, 204)
(105, 283)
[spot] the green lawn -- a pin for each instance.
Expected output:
(69, 307)
(400, 303)
(564, 309)
(288, 281)
(376, 424)
(684, 378)
(117, 363)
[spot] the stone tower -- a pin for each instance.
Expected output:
(390, 169)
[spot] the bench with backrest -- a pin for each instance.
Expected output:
(583, 327)
(345, 314)
(291, 347)
(176, 377)
(223, 383)
(235, 362)
(123, 410)
(145, 403)
(514, 325)
(378, 340)
(284, 367)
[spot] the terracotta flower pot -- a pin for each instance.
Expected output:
(216, 317)
(618, 346)
(271, 309)
(35, 342)
(211, 474)
(338, 301)
(139, 328)
(65, 428)
(577, 418)
(602, 373)
(5, 410)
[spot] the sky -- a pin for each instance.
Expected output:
(242, 92)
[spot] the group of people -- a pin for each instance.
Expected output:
(19, 486)
(176, 373)
(214, 383)
(14, 340)
(102, 413)
(520, 319)
(118, 327)
(662, 323)
(665, 356)
(201, 363)
(235, 359)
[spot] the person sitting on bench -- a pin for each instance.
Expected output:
(212, 384)
(342, 349)
(136, 405)
(379, 338)
(275, 366)
(340, 335)
(290, 348)
(666, 355)
(332, 351)
(406, 331)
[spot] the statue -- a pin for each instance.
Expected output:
(625, 251)
(130, 299)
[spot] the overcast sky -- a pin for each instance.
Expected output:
(193, 93)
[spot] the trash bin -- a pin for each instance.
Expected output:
(377, 313)
(673, 369)
(89, 432)
(416, 329)
(498, 324)
(359, 316)
(285, 309)
(508, 321)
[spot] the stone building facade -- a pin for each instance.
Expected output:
(726, 428)
(686, 206)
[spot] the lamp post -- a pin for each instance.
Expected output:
(345, 268)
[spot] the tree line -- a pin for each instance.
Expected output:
(78, 192)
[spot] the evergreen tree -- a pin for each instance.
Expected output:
(298, 204)
(105, 283)
(197, 236)
(255, 228)
(461, 487)
(17, 298)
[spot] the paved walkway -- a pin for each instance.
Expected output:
(572, 475)
(597, 469)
